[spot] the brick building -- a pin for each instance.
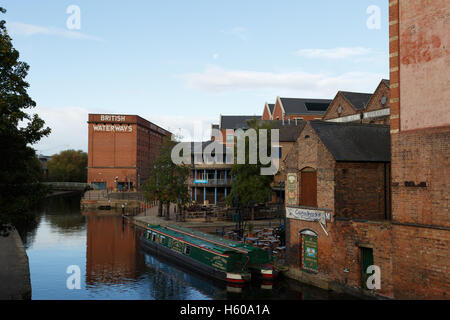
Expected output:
(299, 109)
(268, 111)
(121, 149)
(420, 134)
(361, 107)
(338, 205)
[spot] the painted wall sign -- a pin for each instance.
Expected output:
(291, 189)
(307, 214)
(309, 252)
(112, 128)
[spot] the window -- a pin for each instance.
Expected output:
(187, 250)
(230, 137)
(280, 152)
(339, 110)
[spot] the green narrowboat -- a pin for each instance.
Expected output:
(214, 260)
(260, 263)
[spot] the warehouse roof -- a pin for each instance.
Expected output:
(302, 106)
(355, 142)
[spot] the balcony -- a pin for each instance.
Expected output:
(209, 182)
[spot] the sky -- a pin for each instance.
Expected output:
(181, 64)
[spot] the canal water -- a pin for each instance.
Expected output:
(112, 264)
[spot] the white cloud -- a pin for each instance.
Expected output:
(239, 32)
(22, 29)
(69, 129)
(216, 79)
(190, 128)
(335, 53)
(215, 56)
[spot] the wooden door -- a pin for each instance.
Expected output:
(308, 188)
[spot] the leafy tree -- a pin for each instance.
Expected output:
(168, 181)
(21, 171)
(249, 187)
(68, 166)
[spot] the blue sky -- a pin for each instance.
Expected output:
(181, 64)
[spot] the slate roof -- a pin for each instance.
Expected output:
(388, 82)
(357, 99)
(236, 122)
(355, 142)
(271, 107)
(302, 106)
(289, 131)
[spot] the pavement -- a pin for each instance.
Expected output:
(15, 281)
(150, 216)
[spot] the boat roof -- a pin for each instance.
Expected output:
(235, 245)
(189, 239)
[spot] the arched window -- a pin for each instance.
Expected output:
(308, 187)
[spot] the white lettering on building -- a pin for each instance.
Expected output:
(106, 117)
(112, 128)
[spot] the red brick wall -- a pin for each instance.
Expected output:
(361, 190)
(421, 220)
(332, 111)
(125, 154)
(349, 237)
(266, 114)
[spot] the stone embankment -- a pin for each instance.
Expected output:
(15, 281)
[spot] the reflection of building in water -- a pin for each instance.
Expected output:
(110, 252)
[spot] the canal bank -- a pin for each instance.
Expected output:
(14, 268)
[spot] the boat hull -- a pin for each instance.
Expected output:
(194, 265)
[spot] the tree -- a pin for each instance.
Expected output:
(249, 187)
(68, 166)
(20, 170)
(167, 182)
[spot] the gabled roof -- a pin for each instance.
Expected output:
(303, 106)
(355, 142)
(387, 82)
(271, 107)
(236, 122)
(359, 100)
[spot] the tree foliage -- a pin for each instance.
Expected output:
(68, 166)
(167, 182)
(249, 187)
(21, 171)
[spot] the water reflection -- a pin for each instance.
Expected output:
(110, 250)
(113, 264)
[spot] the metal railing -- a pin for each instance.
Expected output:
(210, 182)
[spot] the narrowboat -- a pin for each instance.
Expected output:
(216, 261)
(260, 262)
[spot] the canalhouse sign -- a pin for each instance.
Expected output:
(308, 214)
